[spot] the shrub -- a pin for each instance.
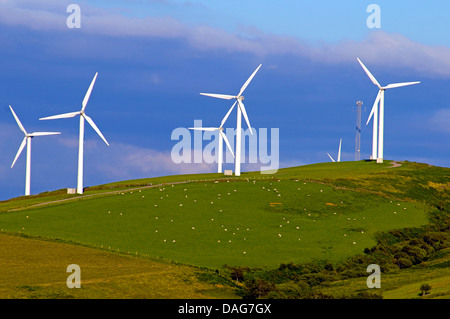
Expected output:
(290, 290)
(257, 288)
(416, 254)
(404, 263)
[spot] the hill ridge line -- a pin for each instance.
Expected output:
(83, 197)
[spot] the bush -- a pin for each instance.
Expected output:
(257, 288)
(320, 278)
(436, 240)
(404, 263)
(290, 290)
(416, 254)
(353, 273)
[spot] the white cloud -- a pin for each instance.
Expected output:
(379, 48)
(392, 50)
(72, 142)
(123, 161)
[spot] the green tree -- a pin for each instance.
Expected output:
(425, 288)
(237, 273)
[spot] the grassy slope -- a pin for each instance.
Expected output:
(37, 269)
(365, 189)
(235, 223)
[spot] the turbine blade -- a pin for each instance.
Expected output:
(43, 133)
(91, 122)
(248, 81)
(228, 114)
(226, 141)
(397, 85)
(209, 129)
(24, 141)
(374, 106)
(60, 116)
(330, 157)
(369, 74)
(219, 96)
(18, 121)
(88, 93)
(244, 113)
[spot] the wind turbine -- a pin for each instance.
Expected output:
(240, 111)
(83, 117)
(379, 99)
(339, 152)
(222, 137)
(27, 140)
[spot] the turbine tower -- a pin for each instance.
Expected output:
(83, 117)
(358, 131)
(379, 100)
(222, 137)
(27, 140)
(240, 111)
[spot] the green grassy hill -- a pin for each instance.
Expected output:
(37, 269)
(328, 211)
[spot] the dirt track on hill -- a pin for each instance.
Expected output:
(93, 195)
(395, 164)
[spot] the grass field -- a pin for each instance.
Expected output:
(254, 223)
(37, 269)
(327, 211)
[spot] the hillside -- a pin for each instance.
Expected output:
(37, 269)
(328, 211)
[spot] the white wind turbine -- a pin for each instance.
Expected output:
(339, 152)
(222, 137)
(374, 112)
(83, 117)
(240, 111)
(27, 140)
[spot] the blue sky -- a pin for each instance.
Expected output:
(154, 57)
